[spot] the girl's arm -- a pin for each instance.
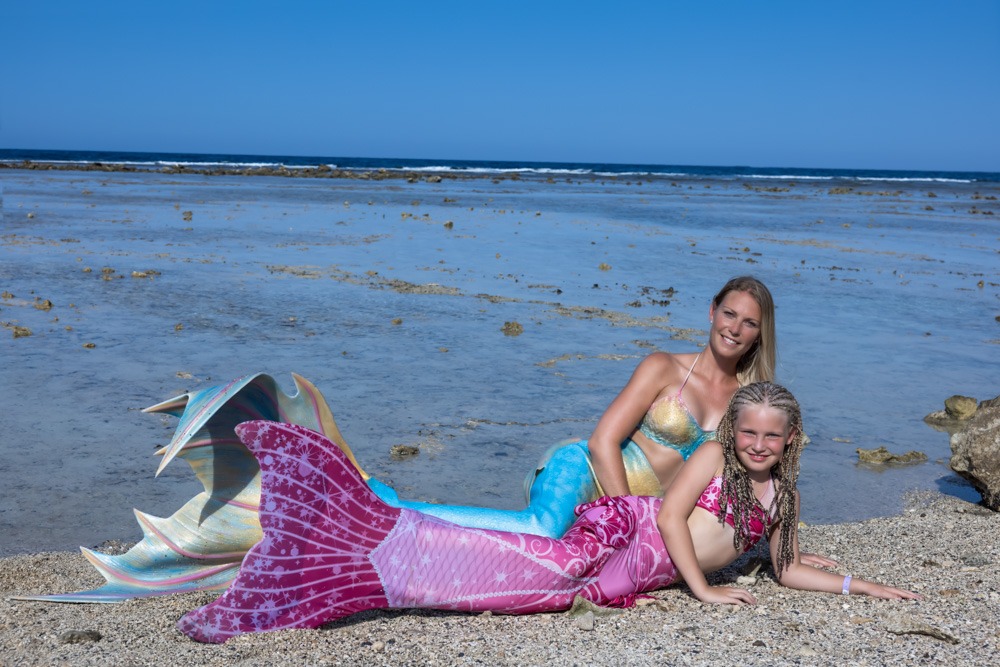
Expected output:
(622, 417)
(678, 504)
(805, 577)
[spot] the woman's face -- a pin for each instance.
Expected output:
(735, 324)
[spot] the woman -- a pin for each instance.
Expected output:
(662, 408)
(651, 428)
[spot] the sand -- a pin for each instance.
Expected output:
(941, 547)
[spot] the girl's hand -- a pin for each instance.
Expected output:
(816, 560)
(727, 595)
(884, 592)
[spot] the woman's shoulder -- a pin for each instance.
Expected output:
(669, 361)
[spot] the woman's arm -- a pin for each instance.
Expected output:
(678, 504)
(805, 577)
(622, 417)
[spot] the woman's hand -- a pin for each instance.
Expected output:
(816, 560)
(726, 595)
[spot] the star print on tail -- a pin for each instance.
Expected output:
(331, 548)
(320, 521)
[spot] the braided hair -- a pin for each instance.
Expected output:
(737, 489)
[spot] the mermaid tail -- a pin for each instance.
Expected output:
(331, 548)
(202, 544)
(319, 522)
(562, 481)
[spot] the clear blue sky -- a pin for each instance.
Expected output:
(901, 84)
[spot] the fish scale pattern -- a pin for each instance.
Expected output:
(319, 522)
(331, 548)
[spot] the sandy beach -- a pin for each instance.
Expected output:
(398, 299)
(942, 547)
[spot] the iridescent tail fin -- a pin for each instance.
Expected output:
(202, 544)
(320, 523)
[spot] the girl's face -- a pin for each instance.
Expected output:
(762, 432)
(735, 323)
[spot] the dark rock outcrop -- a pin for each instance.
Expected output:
(975, 452)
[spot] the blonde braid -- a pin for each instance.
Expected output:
(737, 488)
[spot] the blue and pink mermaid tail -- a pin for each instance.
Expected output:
(331, 548)
(201, 545)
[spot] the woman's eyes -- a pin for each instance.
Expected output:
(731, 315)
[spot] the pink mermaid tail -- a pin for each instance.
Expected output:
(331, 548)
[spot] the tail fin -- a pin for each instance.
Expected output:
(320, 521)
(201, 545)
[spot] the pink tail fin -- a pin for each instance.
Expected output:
(320, 521)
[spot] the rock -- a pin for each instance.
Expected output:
(991, 403)
(906, 625)
(960, 407)
(582, 607)
(883, 455)
(79, 636)
(585, 621)
(399, 452)
(957, 410)
(940, 421)
(512, 329)
(975, 453)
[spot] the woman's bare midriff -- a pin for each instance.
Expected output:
(664, 461)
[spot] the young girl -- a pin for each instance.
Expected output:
(331, 548)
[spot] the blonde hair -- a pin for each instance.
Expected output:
(757, 365)
(737, 489)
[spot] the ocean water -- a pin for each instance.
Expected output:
(887, 285)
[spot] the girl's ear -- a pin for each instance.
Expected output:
(792, 432)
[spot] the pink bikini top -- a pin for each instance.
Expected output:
(758, 523)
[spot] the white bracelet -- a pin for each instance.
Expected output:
(846, 588)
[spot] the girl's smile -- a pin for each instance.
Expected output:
(762, 432)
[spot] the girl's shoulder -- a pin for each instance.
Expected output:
(710, 456)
